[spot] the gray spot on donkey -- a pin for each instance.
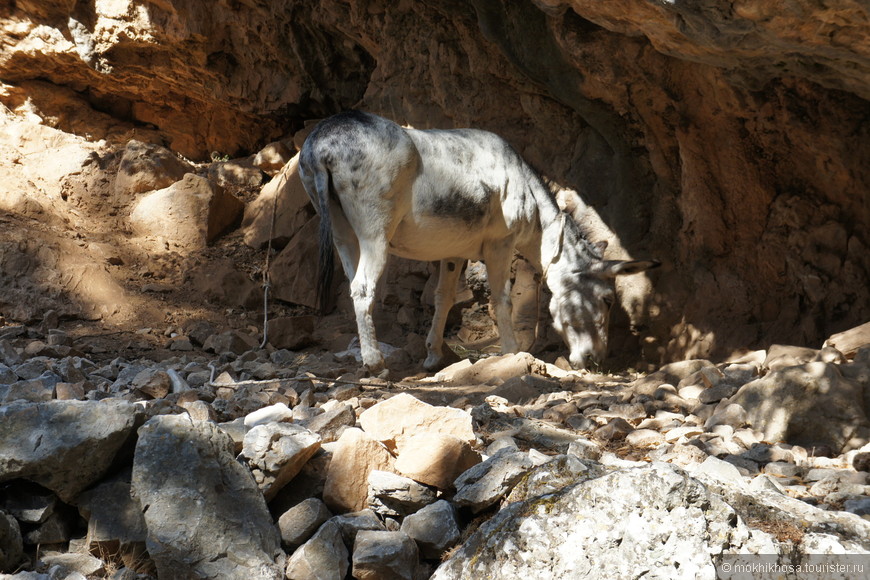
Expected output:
(450, 196)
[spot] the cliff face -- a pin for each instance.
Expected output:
(730, 140)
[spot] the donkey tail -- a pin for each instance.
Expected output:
(326, 253)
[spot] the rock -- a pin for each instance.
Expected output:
(186, 215)
(435, 528)
(663, 524)
(300, 522)
(296, 266)
(235, 174)
(781, 356)
(11, 543)
(495, 367)
(56, 529)
(155, 384)
(204, 514)
(378, 555)
(558, 472)
(521, 390)
(486, 483)
(84, 564)
(277, 413)
(859, 506)
(231, 341)
(584, 449)
(357, 454)
(719, 470)
(292, 332)
(331, 424)
(615, 430)
(671, 373)
(781, 469)
(435, 459)
(116, 525)
(731, 414)
(28, 503)
(353, 523)
(403, 415)
(64, 446)
(644, 438)
(324, 556)
(38, 390)
(271, 158)
(276, 452)
(391, 494)
(146, 167)
(810, 404)
(849, 341)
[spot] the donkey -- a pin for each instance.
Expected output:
(450, 195)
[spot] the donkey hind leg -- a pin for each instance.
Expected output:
(372, 261)
(445, 295)
(498, 258)
(345, 241)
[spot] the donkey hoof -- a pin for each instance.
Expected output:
(432, 363)
(375, 369)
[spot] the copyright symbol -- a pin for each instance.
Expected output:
(726, 567)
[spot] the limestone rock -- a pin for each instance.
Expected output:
(300, 522)
(271, 158)
(146, 167)
(810, 404)
(64, 446)
(116, 525)
(357, 454)
(669, 374)
(391, 494)
(435, 459)
(276, 452)
(849, 341)
(324, 556)
(332, 423)
(487, 482)
(188, 214)
(395, 419)
(291, 332)
(662, 524)
(384, 555)
(204, 514)
(495, 367)
(435, 528)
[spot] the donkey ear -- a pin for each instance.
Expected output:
(613, 268)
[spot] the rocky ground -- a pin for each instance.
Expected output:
(212, 457)
(147, 429)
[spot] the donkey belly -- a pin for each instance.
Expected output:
(436, 238)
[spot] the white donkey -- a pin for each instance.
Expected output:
(450, 196)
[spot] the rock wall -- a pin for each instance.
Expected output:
(729, 140)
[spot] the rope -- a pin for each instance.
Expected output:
(266, 279)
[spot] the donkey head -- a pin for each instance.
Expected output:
(583, 292)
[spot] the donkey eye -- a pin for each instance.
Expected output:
(609, 300)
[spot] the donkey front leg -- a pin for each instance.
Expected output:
(373, 259)
(445, 295)
(498, 258)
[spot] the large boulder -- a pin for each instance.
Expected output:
(64, 446)
(356, 455)
(661, 523)
(398, 418)
(205, 516)
(187, 215)
(809, 404)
